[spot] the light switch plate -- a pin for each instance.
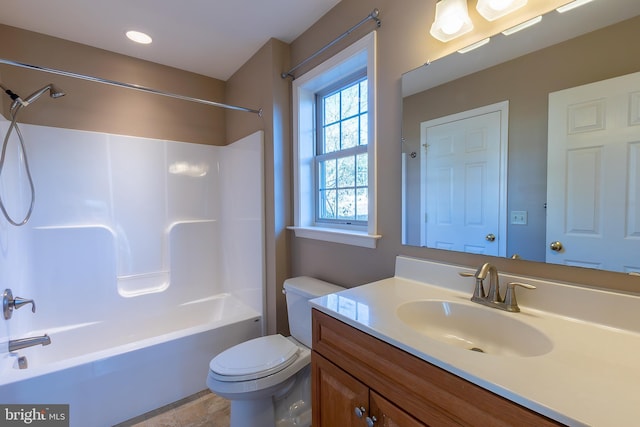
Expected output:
(519, 217)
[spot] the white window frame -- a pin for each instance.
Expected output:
(339, 152)
(361, 54)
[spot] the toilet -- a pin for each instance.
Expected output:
(268, 379)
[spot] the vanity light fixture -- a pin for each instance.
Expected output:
(494, 9)
(522, 26)
(475, 45)
(138, 37)
(451, 21)
(569, 6)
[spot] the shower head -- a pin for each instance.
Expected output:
(54, 93)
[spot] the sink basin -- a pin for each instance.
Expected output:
(477, 328)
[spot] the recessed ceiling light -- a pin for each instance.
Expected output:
(139, 37)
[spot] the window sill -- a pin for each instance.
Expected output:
(347, 237)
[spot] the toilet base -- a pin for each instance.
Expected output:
(283, 405)
(257, 412)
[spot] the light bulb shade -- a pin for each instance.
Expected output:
(494, 9)
(451, 21)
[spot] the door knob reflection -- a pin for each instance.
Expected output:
(556, 246)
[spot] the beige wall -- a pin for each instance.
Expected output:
(104, 108)
(259, 81)
(403, 44)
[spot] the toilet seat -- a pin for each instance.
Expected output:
(257, 358)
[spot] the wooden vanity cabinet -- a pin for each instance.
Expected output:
(339, 394)
(351, 369)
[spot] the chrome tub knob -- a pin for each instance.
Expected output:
(9, 303)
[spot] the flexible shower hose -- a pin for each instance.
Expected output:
(5, 143)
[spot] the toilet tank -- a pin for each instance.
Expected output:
(298, 291)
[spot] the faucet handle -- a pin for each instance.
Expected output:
(510, 302)
(9, 303)
(478, 292)
(19, 302)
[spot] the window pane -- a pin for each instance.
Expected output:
(350, 133)
(346, 172)
(363, 96)
(327, 174)
(332, 138)
(346, 204)
(362, 204)
(328, 204)
(364, 129)
(342, 180)
(332, 108)
(362, 168)
(350, 101)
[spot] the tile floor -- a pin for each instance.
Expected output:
(203, 409)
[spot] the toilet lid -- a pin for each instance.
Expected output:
(253, 359)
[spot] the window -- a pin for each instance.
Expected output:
(334, 148)
(341, 153)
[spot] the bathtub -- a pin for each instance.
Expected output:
(111, 371)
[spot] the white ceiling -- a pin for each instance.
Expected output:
(210, 37)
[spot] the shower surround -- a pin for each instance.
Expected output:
(145, 258)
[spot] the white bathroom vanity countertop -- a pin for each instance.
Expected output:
(590, 377)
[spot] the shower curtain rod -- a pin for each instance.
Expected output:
(372, 16)
(128, 86)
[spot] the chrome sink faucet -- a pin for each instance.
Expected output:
(493, 298)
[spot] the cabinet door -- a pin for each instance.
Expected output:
(389, 415)
(336, 395)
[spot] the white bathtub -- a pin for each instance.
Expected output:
(111, 371)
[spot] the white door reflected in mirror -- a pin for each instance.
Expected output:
(462, 168)
(593, 175)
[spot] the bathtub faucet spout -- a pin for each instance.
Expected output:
(15, 345)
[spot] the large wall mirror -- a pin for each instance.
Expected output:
(529, 146)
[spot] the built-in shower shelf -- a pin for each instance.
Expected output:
(73, 227)
(180, 238)
(196, 234)
(189, 221)
(142, 284)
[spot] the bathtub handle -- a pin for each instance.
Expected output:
(19, 302)
(9, 303)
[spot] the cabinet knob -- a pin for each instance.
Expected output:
(360, 411)
(371, 421)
